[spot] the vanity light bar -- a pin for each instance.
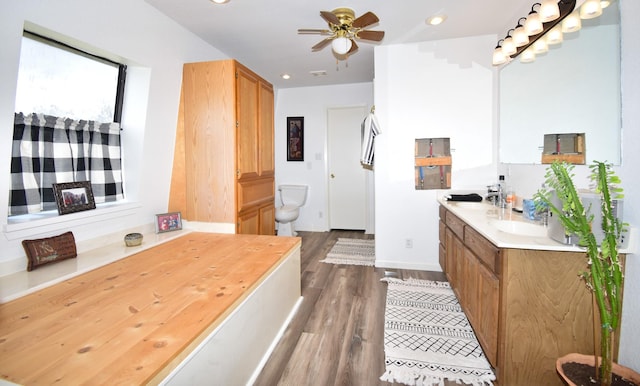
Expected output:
(565, 8)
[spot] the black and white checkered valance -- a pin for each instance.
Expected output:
(48, 150)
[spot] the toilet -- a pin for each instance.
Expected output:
(292, 197)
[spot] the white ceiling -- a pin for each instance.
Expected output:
(263, 34)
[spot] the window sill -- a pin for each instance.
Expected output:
(20, 227)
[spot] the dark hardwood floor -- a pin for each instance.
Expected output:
(336, 337)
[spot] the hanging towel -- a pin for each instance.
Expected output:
(370, 128)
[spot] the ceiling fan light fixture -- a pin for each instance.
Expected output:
(341, 45)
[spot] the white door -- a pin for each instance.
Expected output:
(347, 177)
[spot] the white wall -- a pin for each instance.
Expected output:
(312, 103)
(155, 48)
(429, 90)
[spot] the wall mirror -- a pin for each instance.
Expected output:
(573, 88)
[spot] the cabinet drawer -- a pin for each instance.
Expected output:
(482, 248)
(456, 225)
(442, 212)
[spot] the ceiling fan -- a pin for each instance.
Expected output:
(344, 30)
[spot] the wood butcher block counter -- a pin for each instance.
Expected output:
(136, 320)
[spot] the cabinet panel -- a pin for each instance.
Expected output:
(470, 300)
(268, 220)
(209, 107)
(450, 257)
(247, 123)
(456, 225)
(488, 290)
(266, 130)
(249, 223)
(254, 192)
(482, 248)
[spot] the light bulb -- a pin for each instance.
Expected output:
(498, 56)
(590, 9)
(528, 56)
(341, 45)
(533, 25)
(572, 22)
(508, 46)
(520, 37)
(549, 10)
(554, 36)
(540, 46)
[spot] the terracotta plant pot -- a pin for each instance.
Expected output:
(617, 369)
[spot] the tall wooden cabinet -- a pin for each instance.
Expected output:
(223, 168)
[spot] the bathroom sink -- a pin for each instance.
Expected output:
(520, 228)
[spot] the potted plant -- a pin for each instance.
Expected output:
(604, 277)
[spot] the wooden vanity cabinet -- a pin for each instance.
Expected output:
(223, 169)
(527, 307)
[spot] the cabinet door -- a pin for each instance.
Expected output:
(268, 220)
(487, 312)
(249, 223)
(266, 165)
(247, 123)
(469, 286)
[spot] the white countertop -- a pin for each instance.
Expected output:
(481, 215)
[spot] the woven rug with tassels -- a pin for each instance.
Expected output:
(427, 337)
(352, 251)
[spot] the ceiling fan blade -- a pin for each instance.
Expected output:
(354, 47)
(330, 17)
(304, 31)
(365, 20)
(371, 35)
(321, 45)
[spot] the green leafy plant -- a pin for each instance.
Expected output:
(604, 276)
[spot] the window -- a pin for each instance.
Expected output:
(67, 101)
(59, 80)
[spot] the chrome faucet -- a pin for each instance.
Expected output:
(496, 195)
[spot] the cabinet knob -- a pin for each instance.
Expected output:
(333, 175)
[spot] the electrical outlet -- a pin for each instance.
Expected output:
(408, 243)
(320, 214)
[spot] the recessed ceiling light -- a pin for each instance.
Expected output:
(220, 1)
(285, 76)
(436, 19)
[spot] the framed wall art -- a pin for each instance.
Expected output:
(73, 197)
(167, 222)
(295, 138)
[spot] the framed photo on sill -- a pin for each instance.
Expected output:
(167, 222)
(73, 197)
(295, 138)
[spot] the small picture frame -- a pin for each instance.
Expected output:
(72, 197)
(167, 222)
(295, 138)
